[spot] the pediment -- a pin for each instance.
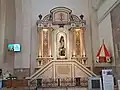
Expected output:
(61, 9)
(60, 16)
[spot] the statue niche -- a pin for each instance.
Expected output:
(62, 47)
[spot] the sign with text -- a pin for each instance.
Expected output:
(108, 82)
(118, 84)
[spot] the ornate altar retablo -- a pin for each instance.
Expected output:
(61, 47)
(61, 35)
(61, 52)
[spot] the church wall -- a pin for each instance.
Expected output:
(105, 8)
(115, 18)
(2, 24)
(44, 6)
(23, 36)
(105, 32)
(18, 38)
(7, 32)
(104, 25)
(94, 32)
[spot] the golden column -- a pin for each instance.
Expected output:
(82, 38)
(78, 45)
(82, 43)
(45, 42)
(74, 43)
(50, 42)
(40, 43)
(45, 45)
(78, 49)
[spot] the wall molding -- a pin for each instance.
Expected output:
(108, 11)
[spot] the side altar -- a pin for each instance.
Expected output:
(61, 46)
(61, 36)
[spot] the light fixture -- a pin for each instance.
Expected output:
(77, 29)
(45, 30)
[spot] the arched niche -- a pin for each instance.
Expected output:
(61, 45)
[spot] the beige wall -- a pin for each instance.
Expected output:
(106, 7)
(105, 32)
(7, 33)
(94, 34)
(104, 24)
(23, 33)
(2, 29)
